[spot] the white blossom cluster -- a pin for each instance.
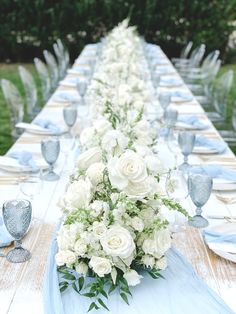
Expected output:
(112, 206)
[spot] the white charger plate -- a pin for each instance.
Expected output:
(201, 150)
(223, 250)
(223, 185)
(33, 128)
(170, 83)
(186, 126)
(66, 96)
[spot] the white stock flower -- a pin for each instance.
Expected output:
(87, 137)
(98, 207)
(114, 142)
(82, 268)
(154, 164)
(95, 173)
(101, 126)
(78, 194)
(101, 266)
(99, 229)
(117, 241)
(128, 168)
(149, 246)
(89, 157)
(65, 257)
(132, 277)
(67, 235)
(161, 263)
(157, 245)
(137, 223)
(148, 261)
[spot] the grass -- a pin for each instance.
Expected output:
(10, 72)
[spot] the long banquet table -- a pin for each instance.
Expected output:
(21, 285)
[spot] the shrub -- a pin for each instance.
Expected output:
(28, 27)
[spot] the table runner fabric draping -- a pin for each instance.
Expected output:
(181, 291)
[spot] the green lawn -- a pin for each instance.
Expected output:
(10, 71)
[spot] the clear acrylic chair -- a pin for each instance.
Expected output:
(30, 91)
(44, 78)
(184, 52)
(194, 60)
(15, 103)
(220, 94)
(229, 135)
(52, 66)
(64, 51)
(60, 60)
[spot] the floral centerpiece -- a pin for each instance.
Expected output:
(113, 227)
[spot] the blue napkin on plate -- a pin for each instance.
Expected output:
(170, 81)
(47, 124)
(217, 237)
(183, 95)
(194, 121)
(5, 237)
(218, 145)
(214, 171)
(24, 158)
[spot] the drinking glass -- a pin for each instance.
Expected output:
(164, 99)
(17, 217)
(176, 188)
(31, 186)
(186, 142)
(50, 149)
(70, 116)
(170, 117)
(81, 85)
(200, 187)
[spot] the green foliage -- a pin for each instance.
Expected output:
(29, 26)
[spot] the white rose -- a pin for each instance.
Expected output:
(99, 229)
(163, 241)
(161, 263)
(148, 261)
(89, 157)
(117, 241)
(80, 247)
(95, 173)
(137, 224)
(78, 194)
(101, 266)
(87, 137)
(67, 235)
(82, 268)
(65, 257)
(114, 142)
(102, 126)
(132, 277)
(128, 168)
(138, 190)
(154, 164)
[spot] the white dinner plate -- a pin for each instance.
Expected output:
(12, 165)
(68, 82)
(204, 150)
(182, 125)
(225, 250)
(170, 83)
(66, 96)
(33, 128)
(223, 185)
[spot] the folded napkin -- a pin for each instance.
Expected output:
(214, 171)
(183, 95)
(5, 238)
(218, 145)
(47, 124)
(169, 82)
(217, 237)
(25, 159)
(194, 121)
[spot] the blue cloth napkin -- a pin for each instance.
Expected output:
(194, 121)
(214, 171)
(184, 95)
(175, 294)
(218, 145)
(47, 124)
(5, 237)
(217, 237)
(25, 159)
(170, 81)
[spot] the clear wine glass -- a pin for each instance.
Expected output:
(164, 99)
(177, 189)
(17, 217)
(186, 142)
(70, 116)
(50, 149)
(173, 145)
(31, 186)
(200, 187)
(81, 85)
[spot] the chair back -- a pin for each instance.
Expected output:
(186, 50)
(44, 77)
(30, 90)
(52, 66)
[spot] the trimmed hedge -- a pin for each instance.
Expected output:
(29, 26)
